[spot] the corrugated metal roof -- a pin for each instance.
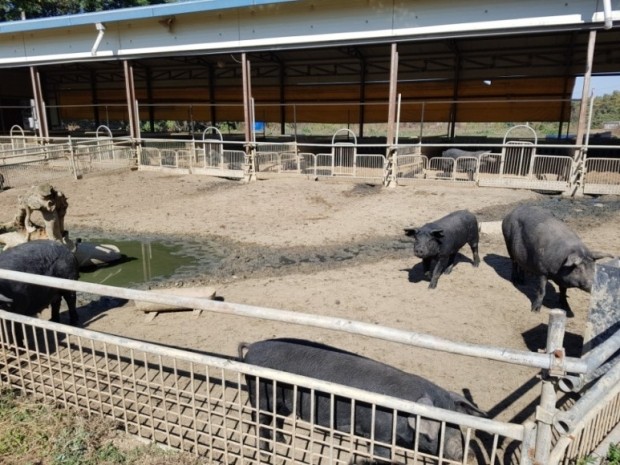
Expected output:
(127, 14)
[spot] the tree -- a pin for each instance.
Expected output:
(11, 10)
(606, 109)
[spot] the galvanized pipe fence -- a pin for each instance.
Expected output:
(198, 403)
(525, 166)
(34, 161)
(513, 163)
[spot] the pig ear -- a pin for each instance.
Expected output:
(411, 232)
(428, 428)
(463, 405)
(573, 259)
(438, 233)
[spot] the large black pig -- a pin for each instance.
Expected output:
(327, 363)
(541, 244)
(43, 257)
(438, 242)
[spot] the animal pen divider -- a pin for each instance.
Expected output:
(198, 403)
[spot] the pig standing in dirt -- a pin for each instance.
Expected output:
(541, 244)
(43, 257)
(327, 363)
(438, 242)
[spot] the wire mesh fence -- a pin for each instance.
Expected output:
(602, 176)
(200, 404)
(35, 164)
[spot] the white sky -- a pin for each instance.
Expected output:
(599, 85)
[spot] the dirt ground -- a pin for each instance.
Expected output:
(338, 249)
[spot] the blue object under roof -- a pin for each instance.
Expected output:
(126, 14)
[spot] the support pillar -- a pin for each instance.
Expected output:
(132, 107)
(40, 119)
(389, 173)
(249, 169)
(579, 156)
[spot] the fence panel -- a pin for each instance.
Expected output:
(517, 157)
(368, 166)
(169, 158)
(343, 159)
(440, 168)
(308, 163)
(411, 166)
(200, 404)
(324, 164)
(101, 156)
(36, 165)
(602, 176)
(150, 156)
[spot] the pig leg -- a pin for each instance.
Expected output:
(540, 294)
(70, 298)
(451, 261)
(265, 420)
(426, 265)
(474, 251)
(55, 309)
(517, 274)
(440, 266)
(563, 298)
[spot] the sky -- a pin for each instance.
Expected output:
(600, 85)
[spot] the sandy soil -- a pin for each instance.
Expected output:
(337, 248)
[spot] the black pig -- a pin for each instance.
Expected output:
(438, 242)
(43, 257)
(327, 363)
(543, 245)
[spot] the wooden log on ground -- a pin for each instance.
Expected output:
(152, 309)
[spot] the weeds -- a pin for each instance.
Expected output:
(37, 433)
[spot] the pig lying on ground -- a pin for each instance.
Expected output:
(438, 242)
(330, 364)
(43, 257)
(541, 244)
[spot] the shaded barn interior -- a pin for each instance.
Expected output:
(518, 77)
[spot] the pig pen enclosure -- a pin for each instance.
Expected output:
(328, 252)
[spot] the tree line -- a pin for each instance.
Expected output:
(13, 10)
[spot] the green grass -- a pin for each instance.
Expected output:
(37, 433)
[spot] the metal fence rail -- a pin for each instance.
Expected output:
(102, 155)
(602, 176)
(198, 403)
(39, 164)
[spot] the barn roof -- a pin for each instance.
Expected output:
(328, 50)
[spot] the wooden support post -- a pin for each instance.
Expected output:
(248, 116)
(576, 181)
(40, 119)
(389, 175)
(130, 91)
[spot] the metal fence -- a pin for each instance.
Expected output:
(602, 176)
(524, 164)
(26, 161)
(199, 403)
(35, 164)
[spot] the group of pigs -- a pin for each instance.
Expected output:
(537, 243)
